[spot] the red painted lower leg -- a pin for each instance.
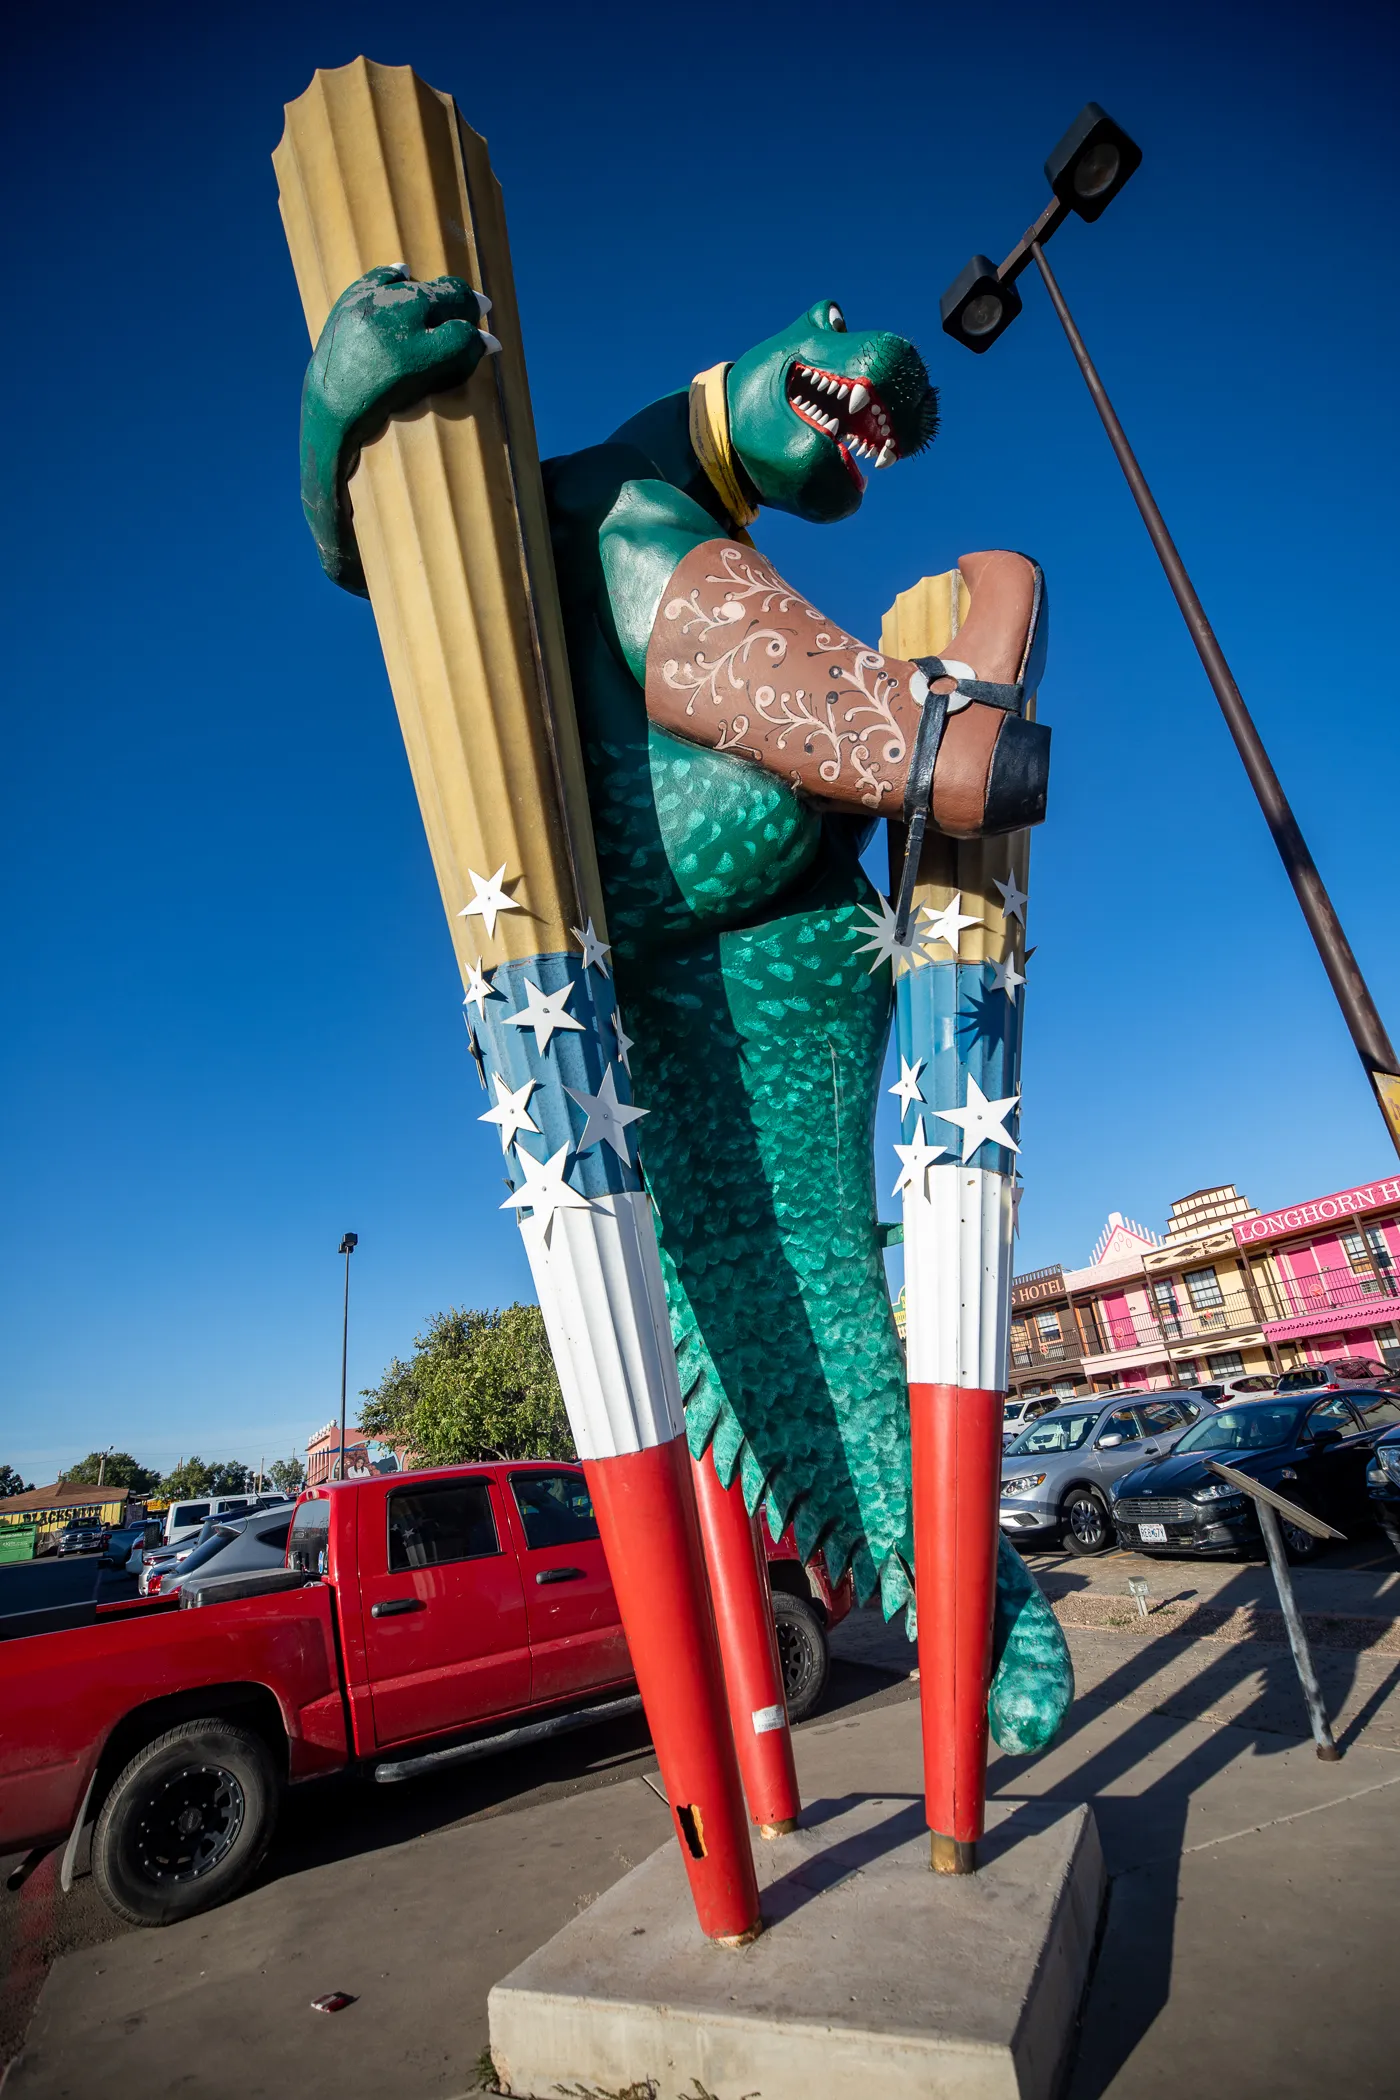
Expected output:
(645, 1506)
(957, 1480)
(748, 1646)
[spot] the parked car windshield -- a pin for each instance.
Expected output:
(1054, 1433)
(1254, 1427)
(207, 1550)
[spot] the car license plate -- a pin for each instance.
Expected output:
(1153, 1534)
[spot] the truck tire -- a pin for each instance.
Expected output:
(187, 1823)
(805, 1657)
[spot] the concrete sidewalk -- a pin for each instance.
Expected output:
(1247, 1950)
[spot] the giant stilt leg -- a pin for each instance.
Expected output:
(958, 1021)
(375, 168)
(748, 1643)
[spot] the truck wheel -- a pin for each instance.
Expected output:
(187, 1823)
(1087, 1526)
(805, 1657)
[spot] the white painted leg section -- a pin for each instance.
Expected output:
(957, 1278)
(599, 1283)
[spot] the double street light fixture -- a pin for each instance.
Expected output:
(1088, 168)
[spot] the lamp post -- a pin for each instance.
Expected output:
(1085, 172)
(347, 1247)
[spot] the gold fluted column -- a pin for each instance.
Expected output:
(924, 621)
(376, 167)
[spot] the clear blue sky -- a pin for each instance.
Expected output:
(232, 1026)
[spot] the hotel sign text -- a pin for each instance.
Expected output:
(1326, 1210)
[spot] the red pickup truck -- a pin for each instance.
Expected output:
(420, 1618)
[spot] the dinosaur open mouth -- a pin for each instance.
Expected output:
(848, 411)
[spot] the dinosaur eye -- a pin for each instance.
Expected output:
(836, 319)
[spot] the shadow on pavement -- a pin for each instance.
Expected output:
(1143, 1833)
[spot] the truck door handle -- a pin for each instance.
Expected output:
(559, 1575)
(393, 1606)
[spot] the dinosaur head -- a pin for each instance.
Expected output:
(808, 404)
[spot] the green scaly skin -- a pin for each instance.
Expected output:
(759, 1031)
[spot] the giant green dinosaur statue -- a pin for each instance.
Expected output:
(739, 915)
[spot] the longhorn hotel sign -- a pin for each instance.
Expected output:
(1324, 1210)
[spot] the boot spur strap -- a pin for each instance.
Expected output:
(969, 686)
(918, 786)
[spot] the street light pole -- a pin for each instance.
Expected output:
(1373, 1045)
(347, 1247)
(1086, 171)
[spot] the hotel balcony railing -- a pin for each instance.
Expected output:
(1328, 1290)
(1187, 1323)
(1029, 1353)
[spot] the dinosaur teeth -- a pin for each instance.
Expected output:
(860, 397)
(888, 454)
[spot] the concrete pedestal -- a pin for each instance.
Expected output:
(873, 1974)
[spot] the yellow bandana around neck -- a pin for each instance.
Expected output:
(709, 434)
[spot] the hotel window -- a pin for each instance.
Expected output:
(1369, 1257)
(1048, 1331)
(1226, 1363)
(1204, 1288)
(1168, 1311)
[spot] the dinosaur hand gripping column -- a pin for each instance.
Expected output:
(729, 750)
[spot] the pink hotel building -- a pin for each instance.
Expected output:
(1225, 1290)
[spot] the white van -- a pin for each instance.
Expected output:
(183, 1519)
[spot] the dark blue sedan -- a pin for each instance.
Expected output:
(1314, 1451)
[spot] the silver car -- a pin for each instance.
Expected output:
(1056, 1478)
(235, 1545)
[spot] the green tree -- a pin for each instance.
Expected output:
(193, 1476)
(11, 1482)
(115, 1469)
(479, 1385)
(288, 1475)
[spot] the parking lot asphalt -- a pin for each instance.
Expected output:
(1225, 1838)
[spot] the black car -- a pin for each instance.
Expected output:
(1383, 1481)
(1315, 1451)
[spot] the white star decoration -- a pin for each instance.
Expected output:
(545, 1190)
(907, 1086)
(479, 986)
(917, 1159)
(947, 925)
(544, 1012)
(608, 1117)
(624, 1044)
(982, 1121)
(881, 937)
(510, 1113)
(1013, 900)
(488, 898)
(595, 952)
(1006, 977)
